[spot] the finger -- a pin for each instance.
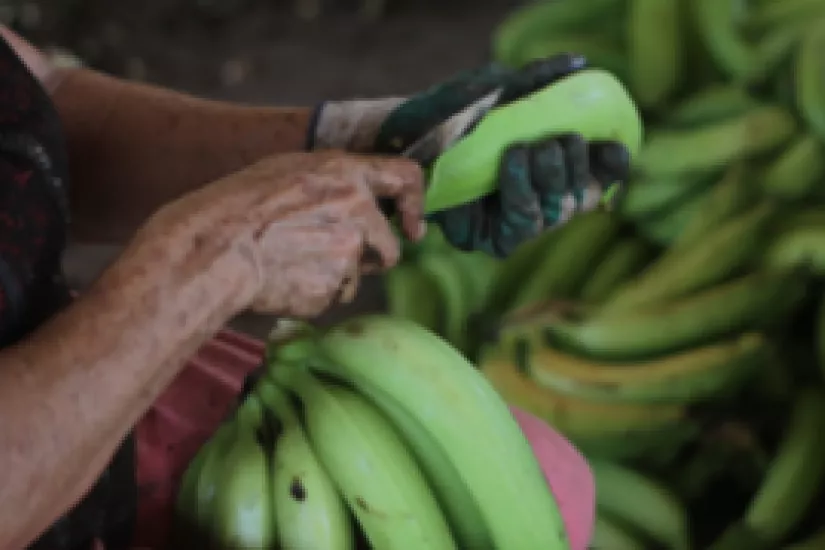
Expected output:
(401, 180)
(609, 162)
(548, 168)
(542, 72)
(577, 157)
(520, 211)
(381, 247)
(589, 196)
(350, 281)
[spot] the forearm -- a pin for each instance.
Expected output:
(134, 147)
(74, 389)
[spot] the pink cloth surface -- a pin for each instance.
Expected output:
(189, 411)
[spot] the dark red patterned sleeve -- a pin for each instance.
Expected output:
(33, 200)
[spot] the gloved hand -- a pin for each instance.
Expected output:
(541, 184)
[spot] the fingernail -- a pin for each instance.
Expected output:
(422, 230)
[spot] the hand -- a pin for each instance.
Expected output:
(306, 226)
(540, 185)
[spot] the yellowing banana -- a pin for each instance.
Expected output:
(682, 270)
(582, 420)
(751, 302)
(689, 376)
(676, 152)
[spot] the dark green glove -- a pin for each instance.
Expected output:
(540, 184)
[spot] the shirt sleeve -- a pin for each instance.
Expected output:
(34, 213)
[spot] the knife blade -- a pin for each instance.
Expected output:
(428, 147)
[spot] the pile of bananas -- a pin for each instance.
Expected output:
(375, 433)
(678, 338)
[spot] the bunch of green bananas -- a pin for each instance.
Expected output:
(375, 433)
(675, 336)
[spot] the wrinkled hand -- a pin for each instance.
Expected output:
(540, 184)
(307, 224)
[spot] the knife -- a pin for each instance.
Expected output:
(427, 148)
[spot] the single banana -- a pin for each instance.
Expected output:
(669, 152)
(455, 498)
(610, 535)
(242, 515)
(642, 503)
(751, 302)
(624, 260)
(802, 246)
(731, 196)
(582, 420)
(647, 198)
(793, 480)
(516, 268)
(655, 54)
(777, 13)
(690, 376)
(412, 294)
(810, 80)
(538, 20)
(455, 295)
(798, 171)
(561, 272)
(309, 512)
(813, 542)
(196, 519)
(718, 24)
(709, 261)
(479, 271)
(189, 529)
(369, 463)
(711, 105)
(665, 226)
(393, 359)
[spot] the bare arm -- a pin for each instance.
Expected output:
(133, 147)
(71, 392)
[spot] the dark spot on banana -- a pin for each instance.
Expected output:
(297, 490)
(521, 355)
(354, 328)
(361, 503)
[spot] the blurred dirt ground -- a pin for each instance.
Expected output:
(261, 51)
